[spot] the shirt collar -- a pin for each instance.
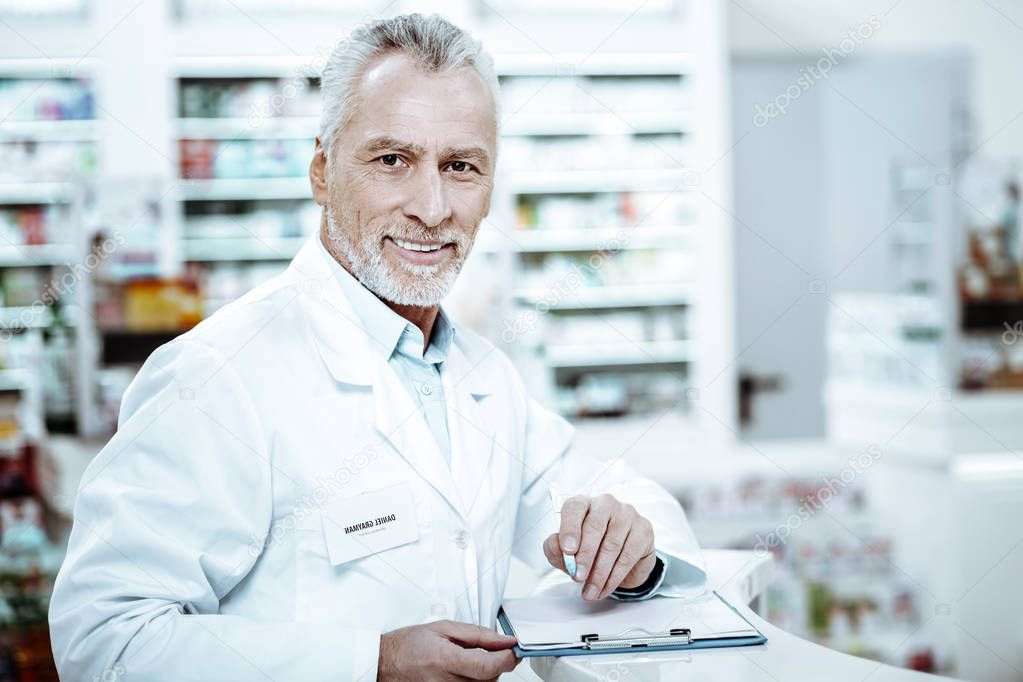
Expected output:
(391, 331)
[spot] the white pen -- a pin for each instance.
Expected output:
(555, 495)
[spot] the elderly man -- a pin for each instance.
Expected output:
(327, 479)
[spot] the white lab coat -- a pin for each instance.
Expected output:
(201, 547)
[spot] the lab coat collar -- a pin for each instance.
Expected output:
(411, 342)
(347, 344)
(383, 324)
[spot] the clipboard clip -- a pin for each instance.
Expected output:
(638, 638)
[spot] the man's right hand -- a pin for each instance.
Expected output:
(444, 650)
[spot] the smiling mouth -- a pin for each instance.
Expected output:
(420, 253)
(417, 246)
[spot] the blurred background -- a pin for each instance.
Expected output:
(767, 252)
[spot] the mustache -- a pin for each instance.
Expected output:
(417, 233)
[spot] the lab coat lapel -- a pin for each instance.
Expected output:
(472, 435)
(347, 350)
(399, 420)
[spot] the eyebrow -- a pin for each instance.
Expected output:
(383, 143)
(477, 154)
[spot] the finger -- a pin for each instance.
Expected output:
(636, 555)
(610, 550)
(641, 571)
(573, 511)
(477, 664)
(552, 550)
(593, 528)
(473, 636)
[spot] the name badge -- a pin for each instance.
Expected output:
(369, 523)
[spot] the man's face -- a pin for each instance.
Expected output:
(410, 179)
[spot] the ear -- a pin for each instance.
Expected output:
(318, 174)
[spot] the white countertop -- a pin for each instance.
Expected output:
(739, 577)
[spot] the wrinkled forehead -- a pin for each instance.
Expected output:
(431, 109)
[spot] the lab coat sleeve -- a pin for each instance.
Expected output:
(168, 520)
(550, 457)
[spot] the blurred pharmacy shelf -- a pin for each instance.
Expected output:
(34, 192)
(16, 379)
(248, 249)
(594, 63)
(25, 317)
(47, 68)
(31, 255)
(254, 189)
(242, 64)
(50, 131)
(301, 127)
(640, 123)
(599, 171)
(49, 138)
(600, 239)
(610, 297)
(618, 354)
(591, 182)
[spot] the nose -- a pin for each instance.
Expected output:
(428, 198)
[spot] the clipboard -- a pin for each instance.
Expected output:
(637, 638)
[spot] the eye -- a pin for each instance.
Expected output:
(460, 166)
(389, 160)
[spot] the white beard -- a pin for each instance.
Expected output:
(414, 285)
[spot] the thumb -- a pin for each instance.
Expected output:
(552, 550)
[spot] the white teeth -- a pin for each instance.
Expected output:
(412, 246)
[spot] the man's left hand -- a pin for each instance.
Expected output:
(613, 545)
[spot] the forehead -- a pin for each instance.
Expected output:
(395, 96)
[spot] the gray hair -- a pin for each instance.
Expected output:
(433, 42)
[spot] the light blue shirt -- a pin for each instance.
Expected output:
(401, 342)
